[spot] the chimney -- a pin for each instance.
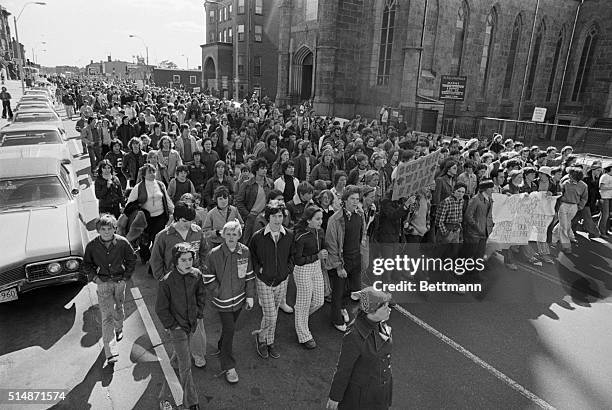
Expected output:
(91, 62)
(109, 59)
(199, 67)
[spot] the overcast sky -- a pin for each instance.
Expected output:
(77, 31)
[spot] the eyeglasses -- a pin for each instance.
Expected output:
(224, 196)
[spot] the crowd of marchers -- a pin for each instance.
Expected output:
(232, 202)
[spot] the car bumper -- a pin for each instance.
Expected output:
(24, 285)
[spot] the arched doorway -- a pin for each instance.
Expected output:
(302, 71)
(210, 74)
(306, 78)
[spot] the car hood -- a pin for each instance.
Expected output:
(33, 235)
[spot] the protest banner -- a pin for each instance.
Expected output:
(415, 175)
(521, 218)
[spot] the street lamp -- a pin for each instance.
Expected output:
(236, 78)
(21, 57)
(183, 55)
(145, 44)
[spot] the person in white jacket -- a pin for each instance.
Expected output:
(287, 183)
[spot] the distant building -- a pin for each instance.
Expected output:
(242, 39)
(177, 78)
(6, 43)
(119, 70)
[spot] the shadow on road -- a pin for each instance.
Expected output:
(38, 318)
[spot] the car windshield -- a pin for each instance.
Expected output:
(34, 117)
(16, 138)
(31, 193)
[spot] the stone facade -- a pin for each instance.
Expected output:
(346, 37)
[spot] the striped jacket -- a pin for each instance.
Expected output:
(229, 276)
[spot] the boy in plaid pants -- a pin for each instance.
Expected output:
(272, 255)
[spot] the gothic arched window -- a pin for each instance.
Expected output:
(514, 43)
(555, 63)
(386, 42)
(487, 49)
(586, 60)
(534, 60)
(460, 26)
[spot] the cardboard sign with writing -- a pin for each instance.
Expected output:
(521, 218)
(414, 175)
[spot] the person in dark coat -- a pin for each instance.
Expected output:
(108, 190)
(479, 220)
(391, 215)
(363, 378)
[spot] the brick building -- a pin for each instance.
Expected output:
(177, 78)
(241, 38)
(356, 55)
(6, 42)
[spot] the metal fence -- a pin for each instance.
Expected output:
(591, 139)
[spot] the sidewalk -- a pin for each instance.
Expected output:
(14, 89)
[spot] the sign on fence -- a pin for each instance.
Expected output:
(452, 87)
(521, 218)
(415, 175)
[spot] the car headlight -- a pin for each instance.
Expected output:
(54, 268)
(72, 264)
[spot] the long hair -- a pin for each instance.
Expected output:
(308, 214)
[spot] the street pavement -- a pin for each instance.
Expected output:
(538, 337)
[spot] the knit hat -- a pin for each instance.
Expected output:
(471, 142)
(514, 173)
(546, 171)
(485, 184)
(378, 154)
(529, 170)
(370, 299)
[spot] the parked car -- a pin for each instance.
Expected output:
(35, 134)
(39, 209)
(28, 115)
(34, 104)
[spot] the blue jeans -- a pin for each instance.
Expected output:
(180, 341)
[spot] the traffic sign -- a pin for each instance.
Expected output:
(539, 113)
(452, 87)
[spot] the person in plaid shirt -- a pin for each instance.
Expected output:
(449, 218)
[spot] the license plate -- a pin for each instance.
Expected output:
(8, 295)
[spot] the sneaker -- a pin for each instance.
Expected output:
(511, 266)
(199, 362)
(548, 259)
(286, 308)
(311, 344)
(345, 315)
(341, 328)
(113, 359)
(118, 335)
(273, 352)
(262, 348)
(231, 376)
(165, 405)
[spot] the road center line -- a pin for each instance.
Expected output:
(501, 376)
(160, 351)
